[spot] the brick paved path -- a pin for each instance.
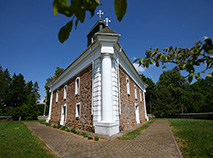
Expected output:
(156, 141)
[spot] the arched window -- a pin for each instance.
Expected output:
(140, 96)
(127, 86)
(77, 86)
(57, 95)
(78, 110)
(65, 92)
(135, 92)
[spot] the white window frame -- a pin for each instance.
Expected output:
(128, 86)
(65, 92)
(77, 86)
(78, 111)
(136, 97)
(140, 96)
(57, 93)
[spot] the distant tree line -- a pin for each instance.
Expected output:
(18, 98)
(173, 94)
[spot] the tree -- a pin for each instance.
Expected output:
(17, 93)
(30, 107)
(150, 94)
(77, 10)
(57, 73)
(36, 91)
(184, 59)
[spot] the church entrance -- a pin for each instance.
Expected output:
(137, 113)
(63, 114)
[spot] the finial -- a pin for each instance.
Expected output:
(100, 13)
(107, 21)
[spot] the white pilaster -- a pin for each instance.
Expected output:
(50, 108)
(144, 101)
(107, 125)
(107, 106)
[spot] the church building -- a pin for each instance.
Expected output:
(100, 91)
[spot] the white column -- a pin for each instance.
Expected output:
(144, 101)
(107, 106)
(50, 108)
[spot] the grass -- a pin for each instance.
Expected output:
(194, 137)
(135, 133)
(16, 140)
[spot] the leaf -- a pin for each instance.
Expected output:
(196, 44)
(197, 76)
(136, 60)
(120, 8)
(190, 77)
(55, 7)
(209, 75)
(76, 24)
(65, 32)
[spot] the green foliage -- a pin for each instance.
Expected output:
(135, 133)
(57, 73)
(120, 8)
(78, 133)
(184, 59)
(73, 130)
(54, 126)
(64, 128)
(90, 138)
(16, 96)
(195, 136)
(172, 94)
(16, 140)
(83, 133)
(85, 136)
(96, 138)
(58, 126)
(76, 10)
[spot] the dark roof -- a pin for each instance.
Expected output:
(107, 30)
(97, 23)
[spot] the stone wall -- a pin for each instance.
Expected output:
(127, 102)
(85, 121)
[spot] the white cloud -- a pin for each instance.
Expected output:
(205, 37)
(139, 68)
(134, 58)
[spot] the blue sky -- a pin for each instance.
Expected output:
(29, 33)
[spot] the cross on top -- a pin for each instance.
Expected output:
(107, 21)
(100, 13)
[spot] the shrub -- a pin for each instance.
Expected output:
(96, 138)
(83, 133)
(54, 126)
(58, 126)
(64, 128)
(48, 124)
(73, 130)
(90, 138)
(42, 121)
(67, 130)
(85, 136)
(78, 133)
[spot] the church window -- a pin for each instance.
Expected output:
(57, 95)
(77, 86)
(65, 92)
(135, 92)
(78, 111)
(140, 96)
(127, 85)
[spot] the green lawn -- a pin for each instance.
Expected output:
(194, 137)
(17, 141)
(135, 133)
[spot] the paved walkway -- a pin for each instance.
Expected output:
(157, 141)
